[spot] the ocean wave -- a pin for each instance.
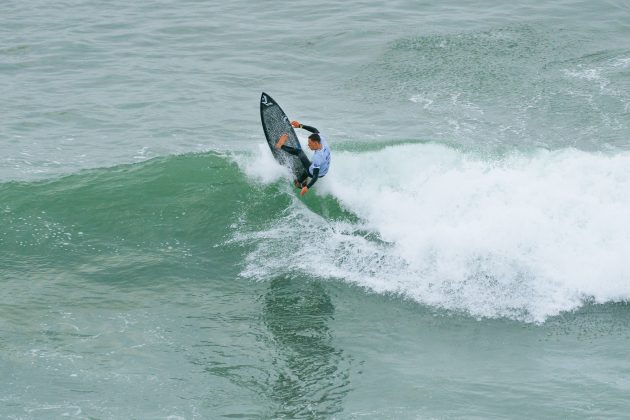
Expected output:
(521, 236)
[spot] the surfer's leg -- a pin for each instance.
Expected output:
(300, 182)
(305, 162)
(300, 154)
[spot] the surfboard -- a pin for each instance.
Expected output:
(275, 123)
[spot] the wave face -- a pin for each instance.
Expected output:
(518, 236)
(523, 236)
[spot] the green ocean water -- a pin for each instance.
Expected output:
(466, 256)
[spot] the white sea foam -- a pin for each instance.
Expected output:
(261, 166)
(522, 236)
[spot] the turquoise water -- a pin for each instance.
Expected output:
(466, 256)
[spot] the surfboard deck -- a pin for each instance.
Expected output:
(275, 123)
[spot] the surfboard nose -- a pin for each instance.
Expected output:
(266, 100)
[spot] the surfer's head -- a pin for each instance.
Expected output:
(314, 142)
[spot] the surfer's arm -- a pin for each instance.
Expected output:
(310, 184)
(297, 124)
(314, 177)
(309, 128)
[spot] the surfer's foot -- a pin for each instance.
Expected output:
(281, 140)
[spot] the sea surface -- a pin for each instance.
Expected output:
(466, 257)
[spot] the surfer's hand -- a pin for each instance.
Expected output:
(295, 124)
(304, 191)
(281, 140)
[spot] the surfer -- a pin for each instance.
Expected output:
(321, 158)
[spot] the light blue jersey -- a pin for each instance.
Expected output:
(321, 158)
